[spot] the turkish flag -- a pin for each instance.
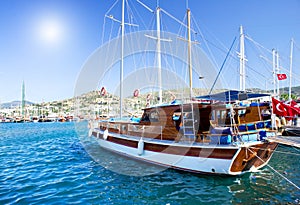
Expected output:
(286, 110)
(279, 108)
(295, 107)
(281, 76)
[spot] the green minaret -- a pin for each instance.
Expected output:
(23, 99)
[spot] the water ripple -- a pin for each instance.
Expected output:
(48, 164)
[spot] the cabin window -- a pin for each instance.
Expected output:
(146, 117)
(154, 116)
(242, 112)
(219, 116)
(213, 115)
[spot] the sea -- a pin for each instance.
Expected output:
(58, 163)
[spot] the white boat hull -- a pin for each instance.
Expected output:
(212, 159)
(187, 163)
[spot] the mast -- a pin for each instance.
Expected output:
(122, 57)
(190, 51)
(274, 71)
(242, 61)
(291, 66)
(277, 69)
(159, 53)
(23, 99)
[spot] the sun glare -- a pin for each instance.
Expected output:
(50, 31)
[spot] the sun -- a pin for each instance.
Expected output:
(50, 31)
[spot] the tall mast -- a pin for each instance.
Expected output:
(159, 53)
(122, 56)
(277, 70)
(274, 71)
(190, 51)
(291, 66)
(242, 60)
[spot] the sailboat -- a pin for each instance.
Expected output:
(209, 134)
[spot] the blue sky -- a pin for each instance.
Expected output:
(46, 42)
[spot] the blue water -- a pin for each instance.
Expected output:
(50, 163)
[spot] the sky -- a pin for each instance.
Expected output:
(45, 43)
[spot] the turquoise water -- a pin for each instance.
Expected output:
(48, 163)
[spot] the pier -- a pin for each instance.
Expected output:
(293, 141)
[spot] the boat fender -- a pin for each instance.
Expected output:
(105, 134)
(98, 134)
(283, 121)
(90, 132)
(141, 146)
(278, 123)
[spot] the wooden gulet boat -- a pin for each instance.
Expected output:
(192, 136)
(183, 136)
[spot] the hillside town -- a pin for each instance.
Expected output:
(91, 105)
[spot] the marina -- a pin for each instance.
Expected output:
(229, 135)
(147, 102)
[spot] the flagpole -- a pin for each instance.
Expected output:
(277, 69)
(274, 72)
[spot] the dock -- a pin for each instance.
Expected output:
(293, 141)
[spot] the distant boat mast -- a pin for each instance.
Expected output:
(23, 99)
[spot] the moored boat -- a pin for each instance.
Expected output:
(191, 134)
(195, 137)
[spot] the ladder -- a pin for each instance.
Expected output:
(188, 122)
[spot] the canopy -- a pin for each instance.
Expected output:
(232, 95)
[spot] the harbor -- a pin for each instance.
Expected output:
(147, 102)
(54, 166)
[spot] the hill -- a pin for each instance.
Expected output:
(14, 104)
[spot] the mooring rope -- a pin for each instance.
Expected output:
(292, 183)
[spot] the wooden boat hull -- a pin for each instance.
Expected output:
(191, 157)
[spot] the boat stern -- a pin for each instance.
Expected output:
(252, 157)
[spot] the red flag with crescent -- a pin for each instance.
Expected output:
(281, 76)
(295, 108)
(279, 108)
(295, 105)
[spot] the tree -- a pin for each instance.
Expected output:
(285, 96)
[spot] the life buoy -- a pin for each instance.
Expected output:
(103, 91)
(136, 93)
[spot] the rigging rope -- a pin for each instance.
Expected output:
(292, 183)
(212, 87)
